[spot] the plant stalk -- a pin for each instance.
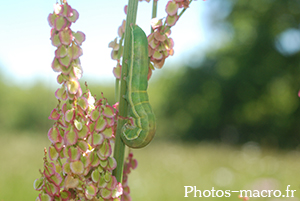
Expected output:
(119, 149)
(154, 12)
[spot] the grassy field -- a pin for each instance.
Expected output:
(164, 169)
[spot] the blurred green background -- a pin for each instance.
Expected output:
(228, 118)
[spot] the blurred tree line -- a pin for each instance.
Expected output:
(244, 90)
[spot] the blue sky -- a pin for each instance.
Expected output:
(26, 52)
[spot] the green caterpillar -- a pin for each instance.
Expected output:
(140, 131)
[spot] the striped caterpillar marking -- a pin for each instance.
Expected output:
(141, 130)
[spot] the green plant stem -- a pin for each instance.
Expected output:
(168, 27)
(184, 9)
(117, 90)
(154, 12)
(119, 149)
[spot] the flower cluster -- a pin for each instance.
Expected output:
(129, 165)
(68, 51)
(80, 165)
(116, 52)
(160, 44)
